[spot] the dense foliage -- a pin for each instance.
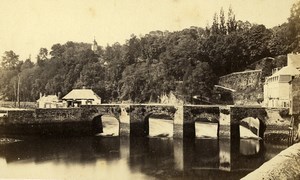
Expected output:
(187, 62)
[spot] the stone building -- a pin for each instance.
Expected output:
(277, 87)
(49, 101)
(78, 97)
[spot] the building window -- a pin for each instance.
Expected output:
(89, 102)
(285, 78)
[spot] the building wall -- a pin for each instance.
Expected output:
(277, 91)
(295, 96)
(78, 103)
(294, 60)
(277, 94)
(51, 105)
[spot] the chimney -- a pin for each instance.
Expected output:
(274, 70)
(59, 95)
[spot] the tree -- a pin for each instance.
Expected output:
(222, 28)
(199, 82)
(10, 60)
(28, 64)
(280, 41)
(133, 51)
(257, 39)
(294, 26)
(42, 56)
(57, 51)
(231, 22)
(215, 25)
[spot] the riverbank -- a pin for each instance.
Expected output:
(286, 165)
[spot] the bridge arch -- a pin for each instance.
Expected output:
(95, 114)
(254, 125)
(159, 124)
(105, 123)
(140, 115)
(238, 116)
(97, 126)
(196, 118)
(207, 127)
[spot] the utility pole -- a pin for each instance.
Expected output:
(15, 93)
(18, 91)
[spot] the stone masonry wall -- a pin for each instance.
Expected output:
(241, 81)
(248, 86)
(134, 119)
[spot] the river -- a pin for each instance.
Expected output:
(113, 157)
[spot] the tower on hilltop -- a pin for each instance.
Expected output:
(94, 45)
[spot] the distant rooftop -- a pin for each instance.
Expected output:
(287, 70)
(81, 94)
(48, 98)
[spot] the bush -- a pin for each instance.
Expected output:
(284, 113)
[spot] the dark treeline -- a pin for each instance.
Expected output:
(187, 62)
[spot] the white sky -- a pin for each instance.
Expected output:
(28, 25)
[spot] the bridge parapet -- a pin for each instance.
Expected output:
(90, 111)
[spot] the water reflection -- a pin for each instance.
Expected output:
(249, 146)
(142, 158)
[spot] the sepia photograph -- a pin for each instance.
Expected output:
(149, 89)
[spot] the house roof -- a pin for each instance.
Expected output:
(287, 70)
(49, 98)
(81, 94)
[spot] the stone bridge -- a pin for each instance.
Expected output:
(133, 119)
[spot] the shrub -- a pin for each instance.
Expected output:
(284, 113)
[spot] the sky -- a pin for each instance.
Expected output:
(28, 25)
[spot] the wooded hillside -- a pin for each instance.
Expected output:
(187, 62)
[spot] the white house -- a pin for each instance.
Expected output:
(277, 87)
(49, 101)
(78, 97)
